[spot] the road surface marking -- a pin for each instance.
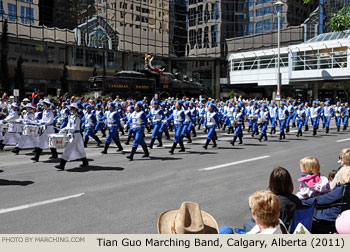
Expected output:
(343, 140)
(12, 209)
(232, 164)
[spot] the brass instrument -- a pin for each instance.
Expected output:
(261, 120)
(234, 123)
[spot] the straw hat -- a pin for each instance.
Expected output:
(189, 219)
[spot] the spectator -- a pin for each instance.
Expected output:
(342, 223)
(344, 158)
(331, 175)
(311, 183)
(281, 184)
(189, 219)
(35, 96)
(324, 219)
(265, 208)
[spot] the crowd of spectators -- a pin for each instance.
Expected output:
(273, 210)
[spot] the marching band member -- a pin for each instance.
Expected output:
(314, 115)
(164, 125)
(212, 121)
(229, 112)
(75, 147)
(194, 114)
(264, 118)
(89, 123)
(187, 123)
(327, 112)
(339, 112)
(290, 108)
(99, 114)
(47, 121)
(237, 121)
(248, 113)
(178, 116)
(273, 115)
(254, 112)
(63, 115)
(156, 115)
(138, 122)
(27, 142)
(113, 123)
(201, 114)
(346, 115)
(282, 115)
(300, 116)
(307, 112)
(295, 107)
(11, 136)
(126, 119)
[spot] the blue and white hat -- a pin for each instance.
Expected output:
(29, 105)
(47, 101)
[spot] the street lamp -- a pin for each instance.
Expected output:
(278, 6)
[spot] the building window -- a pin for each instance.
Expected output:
(259, 1)
(199, 38)
(27, 15)
(193, 38)
(251, 29)
(200, 14)
(251, 14)
(267, 25)
(259, 27)
(12, 10)
(251, 3)
(206, 37)
(275, 23)
(267, 10)
(259, 12)
(214, 35)
(2, 11)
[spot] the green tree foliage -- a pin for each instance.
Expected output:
(4, 68)
(341, 20)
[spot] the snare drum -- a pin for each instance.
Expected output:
(57, 141)
(30, 130)
(12, 128)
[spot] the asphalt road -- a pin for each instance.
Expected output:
(115, 195)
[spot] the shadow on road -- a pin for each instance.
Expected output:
(199, 152)
(160, 158)
(4, 182)
(1, 171)
(94, 168)
(247, 144)
(230, 148)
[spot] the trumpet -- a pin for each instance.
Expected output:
(234, 123)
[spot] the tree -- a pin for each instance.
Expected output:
(19, 78)
(341, 20)
(4, 53)
(64, 80)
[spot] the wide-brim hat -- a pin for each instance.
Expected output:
(74, 105)
(188, 219)
(47, 101)
(29, 106)
(26, 99)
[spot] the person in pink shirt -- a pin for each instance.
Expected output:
(311, 182)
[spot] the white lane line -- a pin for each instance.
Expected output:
(232, 164)
(343, 140)
(12, 209)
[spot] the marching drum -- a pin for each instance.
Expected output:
(58, 141)
(251, 117)
(12, 128)
(30, 130)
(260, 121)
